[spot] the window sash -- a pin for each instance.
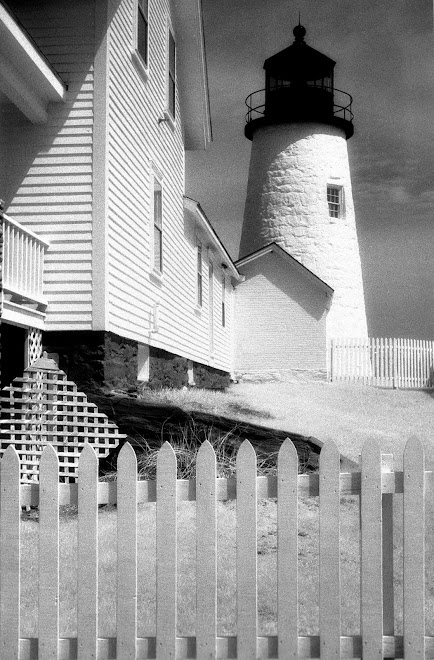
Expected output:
(172, 75)
(223, 301)
(158, 249)
(334, 199)
(142, 30)
(199, 276)
(158, 226)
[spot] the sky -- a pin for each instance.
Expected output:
(385, 60)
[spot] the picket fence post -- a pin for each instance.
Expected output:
(48, 554)
(329, 552)
(246, 553)
(287, 550)
(166, 549)
(87, 578)
(10, 525)
(371, 578)
(206, 553)
(414, 550)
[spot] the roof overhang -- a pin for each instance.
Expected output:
(294, 263)
(26, 77)
(214, 243)
(192, 73)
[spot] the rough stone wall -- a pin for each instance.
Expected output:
(94, 359)
(291, 165)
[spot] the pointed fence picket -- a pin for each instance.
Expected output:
(375, 484)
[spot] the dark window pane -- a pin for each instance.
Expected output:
(158, 206)
(158, 249)
(142, 34)
(172, 75)
(199, 275)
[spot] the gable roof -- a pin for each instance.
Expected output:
(288, 259)
(214, 241)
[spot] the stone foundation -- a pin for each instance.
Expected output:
(98, 359)
(210, 378)
(166, 369)
(94, 359)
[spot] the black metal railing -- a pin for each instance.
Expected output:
(257, 108)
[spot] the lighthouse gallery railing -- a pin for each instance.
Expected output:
(342, 103)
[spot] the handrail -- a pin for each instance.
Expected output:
(26, 230)
(256, 111)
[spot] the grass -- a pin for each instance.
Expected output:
(347, 414)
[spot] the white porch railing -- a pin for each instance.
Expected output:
(23, 262)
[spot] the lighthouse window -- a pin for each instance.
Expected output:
(334, 199)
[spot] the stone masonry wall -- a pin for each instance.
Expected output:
(291, 165)
(94, 359)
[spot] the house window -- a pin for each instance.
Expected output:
(223, 301)
(171, 92)
(158, 226)
(199, 275)
(142, 30)
(334, 199)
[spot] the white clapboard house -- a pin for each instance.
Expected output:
(106, 264)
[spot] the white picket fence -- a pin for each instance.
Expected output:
(385, 362)
(374, 483)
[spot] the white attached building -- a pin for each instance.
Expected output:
(99, 100)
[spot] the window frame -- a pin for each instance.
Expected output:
(170, 116)
(142, 63)
(199, 274)
(335, 208)
(156, 182)
(157, 224)
(223, 309)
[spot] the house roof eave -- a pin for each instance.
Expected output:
(277, 249)
(192, 73)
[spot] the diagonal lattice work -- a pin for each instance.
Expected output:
(34, 345)
(44, 407)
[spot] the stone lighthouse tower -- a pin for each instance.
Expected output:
(299, 189)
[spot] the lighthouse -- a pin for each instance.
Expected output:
(299, 194)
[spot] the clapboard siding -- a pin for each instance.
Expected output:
(287, 329)
(49, 186)
(135, 148)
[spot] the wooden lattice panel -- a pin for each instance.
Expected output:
(44, 407)
(34, 345)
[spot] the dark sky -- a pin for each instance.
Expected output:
(385, 60)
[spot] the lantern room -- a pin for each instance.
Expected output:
(299, 86)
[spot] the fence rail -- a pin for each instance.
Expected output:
(375, 484)
(385, 362)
